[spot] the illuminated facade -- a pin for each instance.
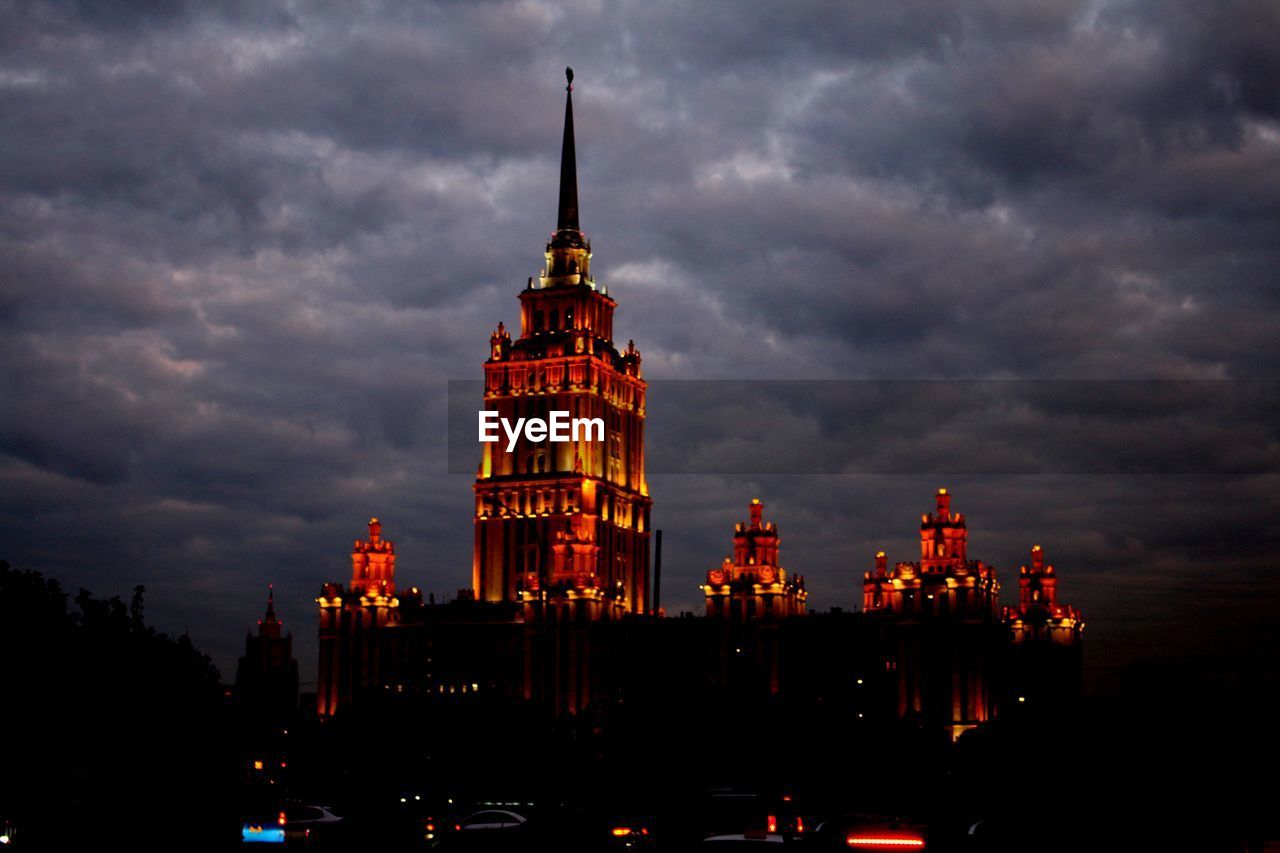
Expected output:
(944, 649)
(752, 584)
(564, 524)
(1045, 652)
(354, 620)
(558, 620)
(1039, 617)
(944, 581)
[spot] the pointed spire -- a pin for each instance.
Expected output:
(269, 625)
(567, 218)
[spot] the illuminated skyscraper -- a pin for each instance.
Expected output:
(565, 524)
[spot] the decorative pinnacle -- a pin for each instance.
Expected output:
(567, 216)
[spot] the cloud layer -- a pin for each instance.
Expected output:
(243, 249)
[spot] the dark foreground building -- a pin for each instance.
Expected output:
(559, 622)
(267, 676)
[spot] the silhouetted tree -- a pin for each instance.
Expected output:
(108, 722)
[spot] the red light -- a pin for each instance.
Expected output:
(457, 827)
(773, 823)
(884, 842)
(786, 798)
(280, 820)
(799, 824)
(431, 827)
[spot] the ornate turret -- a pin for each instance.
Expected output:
(944, 581)
(373, 564)
(943, 608)
(1038, 614)
(352, 619)
(943, 536)
(1045, 651)
(751, 584)
(499, 343)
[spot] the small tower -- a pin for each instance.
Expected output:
(945, 581)
(353, 620)
(942, 626)
(944, 538)
(1038, 615)
(751, 585)
(267, 675)
(1045, 640)
(373, 565)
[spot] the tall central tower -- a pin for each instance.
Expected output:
(565, 523)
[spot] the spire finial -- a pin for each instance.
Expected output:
(567, 217)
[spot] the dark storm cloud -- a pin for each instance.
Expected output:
(242, 248)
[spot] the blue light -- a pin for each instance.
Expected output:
(254, 834)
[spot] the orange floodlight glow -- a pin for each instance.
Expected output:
(620, 831)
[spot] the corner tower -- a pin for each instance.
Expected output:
(353, 621)
(1045, 661)
(940, 618)
(565, 522)
(752, 584)
(267, 674)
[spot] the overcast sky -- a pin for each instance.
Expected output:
(243, 248)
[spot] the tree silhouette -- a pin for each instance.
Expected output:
(108, 721)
